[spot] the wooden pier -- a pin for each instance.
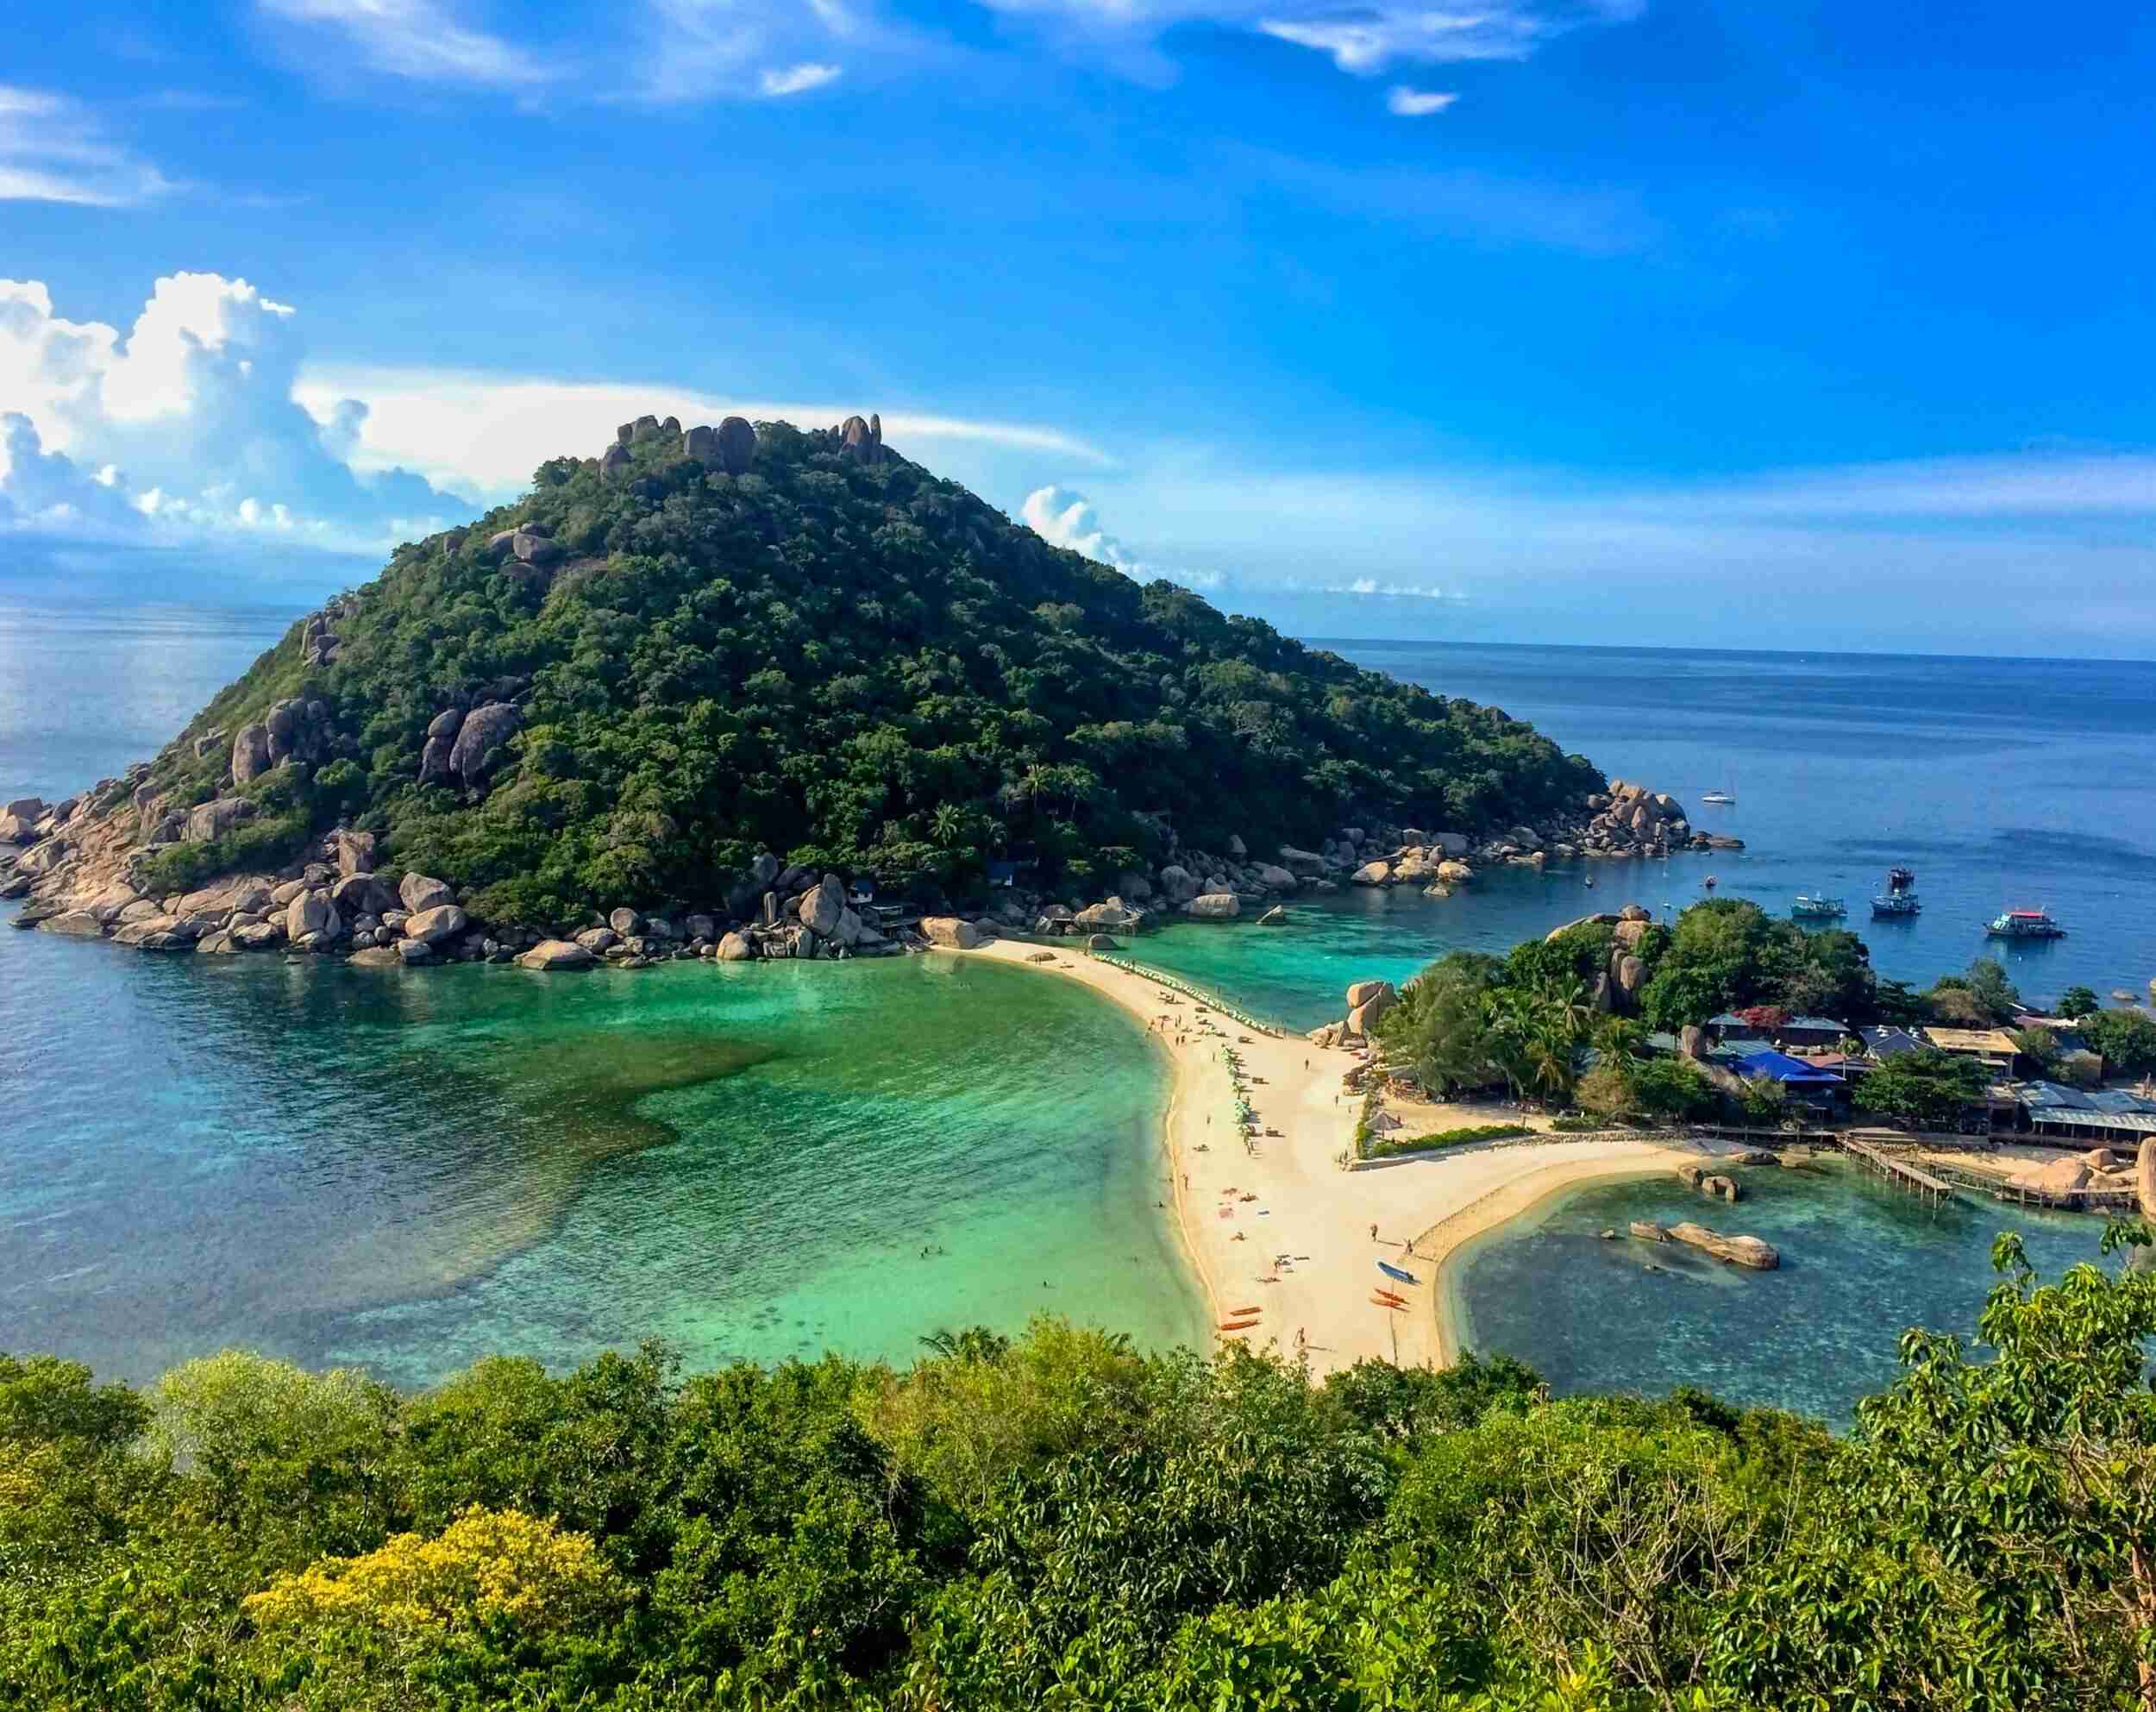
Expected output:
(1935, 1191)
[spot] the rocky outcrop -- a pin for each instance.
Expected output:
(1274, 917)
(734, 948)
(349, 852)
(1372, 874)
(822, 905)
(1214, 907)
(550, 955)
(422, 892)
(1749, 1251)
(951, 932)
(312, 919)
(210, 820)
(18, 820)
(737, 444)
(359, 894)
(250, 754)
(862, 439)
(432, 926)
(1111, 916)
(478, 748)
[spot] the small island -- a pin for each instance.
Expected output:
(751, 691)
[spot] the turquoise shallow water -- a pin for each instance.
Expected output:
(411, 1171)
(1860, 1262)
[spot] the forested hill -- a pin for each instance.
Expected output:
(710, 642)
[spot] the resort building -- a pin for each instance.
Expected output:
(1813, 1088)
(2115, 1116)
(1730, 1029)
(1885, 1040)
(1993, 1048)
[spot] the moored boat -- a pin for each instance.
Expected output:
(1899, 897)
(1815, 907)
(1395, 1273)
(2024, 925)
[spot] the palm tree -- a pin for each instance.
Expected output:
(975, 1343)
(948, 824)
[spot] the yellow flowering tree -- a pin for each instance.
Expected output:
(488, 1568)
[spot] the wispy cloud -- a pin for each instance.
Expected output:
(415, 39)
(1365, 587)
(492, 430)
(1361, 39)
(55, 149)
(1363, 43)
(796, 79)
(1416, 104)
(2029, 484)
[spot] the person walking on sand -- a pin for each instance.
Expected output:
(1373, 1234)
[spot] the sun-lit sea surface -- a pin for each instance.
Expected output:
(409, 1171)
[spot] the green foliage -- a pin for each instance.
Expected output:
(1439, 1031)
(1461, 1137)
(1977, 999)
(1059, 1521)
(2078, 1002)
(1986, 1541)
(1727, 955)
(2126, 1037)
(1926, 1088)
(859, 661)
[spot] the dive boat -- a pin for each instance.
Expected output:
(1899, 897)
(1722, 799)
(1812, 906)
(2025, 924)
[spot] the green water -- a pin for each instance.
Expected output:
(411, 1169)
(1299, 973)
(1861, 1262)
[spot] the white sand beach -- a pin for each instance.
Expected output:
(1281, 1229)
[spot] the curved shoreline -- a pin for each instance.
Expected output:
(1308, 1283)
(1448, 1245)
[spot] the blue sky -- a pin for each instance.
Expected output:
(1589, 321)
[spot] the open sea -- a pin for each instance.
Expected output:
(354, 1166)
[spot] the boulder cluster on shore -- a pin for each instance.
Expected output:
(82, 862)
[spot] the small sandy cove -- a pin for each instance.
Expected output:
(1281, 1233)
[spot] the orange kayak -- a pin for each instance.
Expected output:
(1239, 1312)
(1237, 1325)
(1382, 1302)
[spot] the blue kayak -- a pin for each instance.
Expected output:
(1395, 1273)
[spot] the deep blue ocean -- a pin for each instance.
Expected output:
(404, 1172)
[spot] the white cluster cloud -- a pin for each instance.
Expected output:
(796, 79)
(1407, 103)
(1066, 519)
(55, 149)
(185, 424)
